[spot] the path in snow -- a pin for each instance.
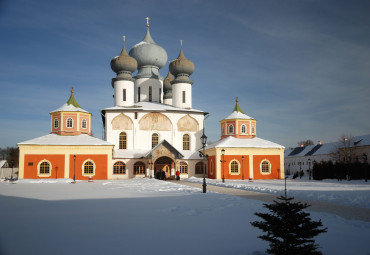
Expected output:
(347, 212)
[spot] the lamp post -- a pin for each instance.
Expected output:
(11, 177)
(364, 157)
(203, 139)
(309, 168)
(242, 167)
(150, 168)
(223, 164)
(74, 169)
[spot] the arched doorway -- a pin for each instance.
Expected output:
(162, 168)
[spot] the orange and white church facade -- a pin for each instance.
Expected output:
(152, 128)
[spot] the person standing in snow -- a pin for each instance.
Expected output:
(178, 175)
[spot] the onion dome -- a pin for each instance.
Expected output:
(182, 68)
(150, 56)
(167, 88)
(123, 65)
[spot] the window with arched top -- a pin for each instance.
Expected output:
(155, 139)
(186, 142)
(56, 123)
(69, 122)
(88, 168)
(84, 124)
(44, 168)
(243, 129)
(253, 129)
(119, 168)
(183, 167)
(234, 167)
(199, 168)
(122, 141)
(265, 167)
(139, 168)
(231, 129)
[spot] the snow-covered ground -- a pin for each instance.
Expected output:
(352, 193)
(147, 216)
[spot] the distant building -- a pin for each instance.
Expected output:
(355, 149)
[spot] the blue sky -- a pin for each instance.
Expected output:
(301, 68)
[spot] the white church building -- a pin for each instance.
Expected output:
(152, 124)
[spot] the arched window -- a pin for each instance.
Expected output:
(231, 129)
(234, 167)
(243, 129)
(183, 167)
(265, 167)
(253, 129)
(69, 123)
(199, 168)
(186, 142)
(139, 168)
(44, 168)
(56, 123)
(223, 129)
(119, 168)
(122, 141)
(155, 138)
(84, 124)
(89, 167)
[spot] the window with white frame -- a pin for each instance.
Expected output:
(84, 124)
(69, 123)
(234, 167)
(155, 139)
(186, 142)
(231, 129)
(244, 129)
(122, 141)
(265, 167)
(56, 123)
(88, 167)
(183, 167)
(253, 129)
(44, 168)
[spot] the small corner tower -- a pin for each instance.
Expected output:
(238, 124)
(182, 68)
(70, 119)
(124, 88)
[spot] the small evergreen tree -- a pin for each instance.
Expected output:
(289, 229)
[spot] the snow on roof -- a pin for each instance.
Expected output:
(69, 108)
(238, 115)
(2, 163)
(153, 106)
(232, 142)
(329, 148)
(54, 139)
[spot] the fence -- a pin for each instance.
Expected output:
(7, 172)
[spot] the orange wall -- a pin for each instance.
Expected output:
(101, 166)
(57, 166)
(228, 159)
(275, 166)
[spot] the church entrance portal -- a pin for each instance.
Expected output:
(162, 168)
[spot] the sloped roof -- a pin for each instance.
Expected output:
(54, 139)
(232, 142)
(70, 106)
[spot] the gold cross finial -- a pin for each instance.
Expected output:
(147, 21)
(124, 38)
(237, 101)
(72, 91)
(181, 43)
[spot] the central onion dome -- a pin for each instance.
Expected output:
(123, 65)
(150, 57)
(181, 68)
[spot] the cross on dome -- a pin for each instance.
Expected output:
(147, 21)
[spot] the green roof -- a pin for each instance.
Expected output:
(237, 107)
(72, 100)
